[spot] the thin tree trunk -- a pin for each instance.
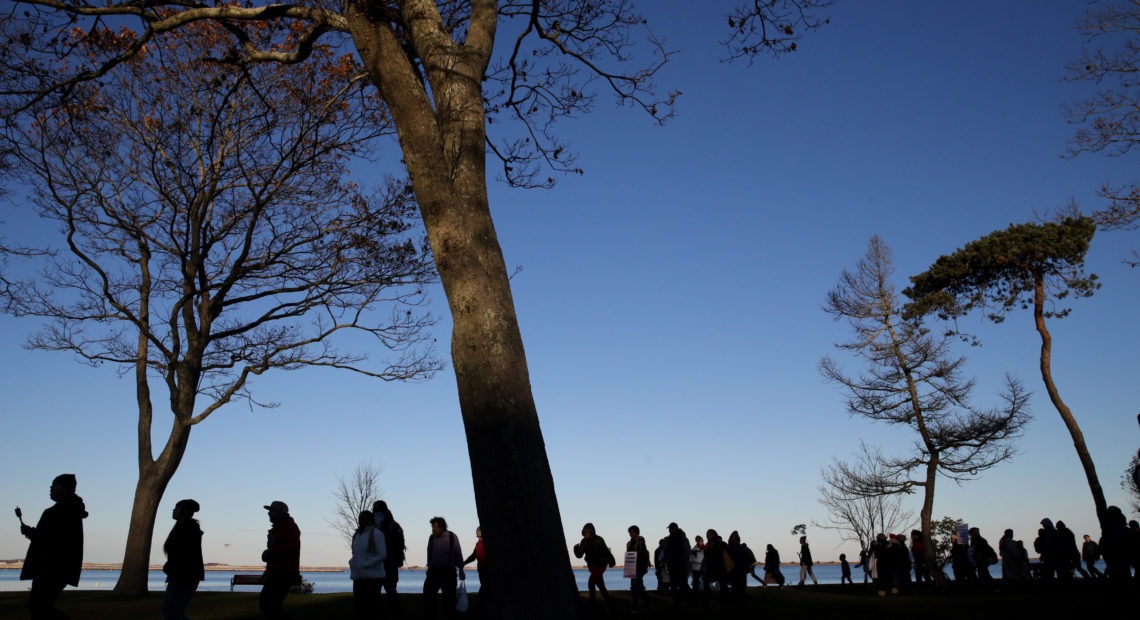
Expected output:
(1063, 409)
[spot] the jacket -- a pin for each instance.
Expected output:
(282, 555)
(183, 549)
(56, 550)
(368, 554)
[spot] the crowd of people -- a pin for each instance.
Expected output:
(685, 572)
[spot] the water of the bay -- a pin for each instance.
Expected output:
(410, 580)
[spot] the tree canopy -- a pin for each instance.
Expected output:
(1000, 272)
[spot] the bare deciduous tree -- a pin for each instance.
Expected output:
(354, 495)
(210, 234)
(857, 518)
(1107, 122)
(911, 379)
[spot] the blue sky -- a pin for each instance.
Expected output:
(670, 301)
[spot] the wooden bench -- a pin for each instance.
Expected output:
(245, 580)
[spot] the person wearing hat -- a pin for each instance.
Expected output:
(282, 557)
(55, 555)
(184, 567)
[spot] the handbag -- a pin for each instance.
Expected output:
(461, 597)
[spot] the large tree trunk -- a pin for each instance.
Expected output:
(154, 476)
(1062, 408)
(443, 141)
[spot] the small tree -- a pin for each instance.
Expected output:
(942, 541)
(210, 234)
(856, 517)
(1033, 266)
(912, 380)
(353, 496)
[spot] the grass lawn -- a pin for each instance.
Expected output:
(826, 601)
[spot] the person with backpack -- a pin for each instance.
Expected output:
(598, 557)
(396, 551)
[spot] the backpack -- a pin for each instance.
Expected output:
(394, 539)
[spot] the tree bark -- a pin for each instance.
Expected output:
(1063, 409)
(443, 142)
(154, 476)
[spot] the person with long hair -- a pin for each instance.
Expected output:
(366, 567)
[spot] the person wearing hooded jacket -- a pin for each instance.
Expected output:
(184, 567)
(598, 557)
(55, 555)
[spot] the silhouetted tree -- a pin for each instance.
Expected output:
(911, 379)
(1107, 122)
(857, 517)
(210, 234)
(354, 495)
(1023, 266)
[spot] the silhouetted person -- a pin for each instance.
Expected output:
(806, 563)
(444, 556)
(637, 545)
(184, 567)
(984, 556)
(55, 555)
(1090, 553)
(397, 550)
(844, 570)
(677, 554)
(479, 556)
(282, 557)
(1115, 547)
(598, 557)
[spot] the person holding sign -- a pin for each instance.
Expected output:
(636, 565)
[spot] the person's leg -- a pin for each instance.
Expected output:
(41, 600)
(271, 601)
(431, 590)
(449, 582)
(391, 587)
(803, 575)
(177, 599)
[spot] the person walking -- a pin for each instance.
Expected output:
(397, 550)
(55, 553)
(444, 557)
(184, 567)
(677, 552)
(282, 557)
(366, 566)
(479, 556)
(984, 557)
(716, 569)
(1090, 553)
(598, 557)
(806, 563)
(637, 545)
(697, 564)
